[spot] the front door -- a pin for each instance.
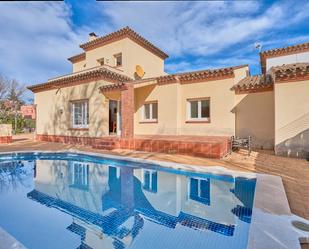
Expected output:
(114, 117)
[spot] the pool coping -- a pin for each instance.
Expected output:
(271, 215)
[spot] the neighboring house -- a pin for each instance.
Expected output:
(28, 111)
(119, 87)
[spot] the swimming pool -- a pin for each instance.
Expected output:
(66, 200)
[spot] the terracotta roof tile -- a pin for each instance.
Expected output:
(112, 87)
(202, 75)
(120, 34)
(81, 77)
(78, 57)
(285, 50)
(288, 72)
(294, 49)
(253, 83)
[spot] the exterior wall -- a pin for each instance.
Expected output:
(79, 66)
(167, 109)
(172, 107)
(136, 55)
(255, 118)
(132, 55)
(54, 111)
(292, 119)
(287, 59)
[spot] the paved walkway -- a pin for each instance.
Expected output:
(294, 172)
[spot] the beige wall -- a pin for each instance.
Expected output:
(79, 66)
(292, 118)
(51, 121)
(255, 118)
(132, 55)
(5, 130)
(172, 107)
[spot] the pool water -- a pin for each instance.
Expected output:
(61, 200)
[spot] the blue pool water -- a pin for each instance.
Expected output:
(61, 200)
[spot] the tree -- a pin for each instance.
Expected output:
(15, 92)
(3, 87)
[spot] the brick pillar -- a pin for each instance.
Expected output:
(127, 111)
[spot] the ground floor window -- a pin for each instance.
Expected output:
(199, 190)
(150, 180)
(199, 109)
(80, 114)
(150, 111)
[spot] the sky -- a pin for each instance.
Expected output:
(37, 37)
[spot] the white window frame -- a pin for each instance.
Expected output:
(150, 178)
(85, 114)
(151, 119)
(116, 56)
(199, 110)
(84, 173)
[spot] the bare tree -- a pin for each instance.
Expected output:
(3, 87)
(16, 92)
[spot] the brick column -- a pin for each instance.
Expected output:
(127, 111)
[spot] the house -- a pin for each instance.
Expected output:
(118, 96)
(28, 111)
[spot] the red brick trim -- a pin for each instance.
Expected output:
(207, 149)
(6, 139)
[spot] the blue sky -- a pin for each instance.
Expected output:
(38, 37)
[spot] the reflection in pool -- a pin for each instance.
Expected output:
(75, 201)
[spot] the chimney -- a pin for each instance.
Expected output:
(92, 36)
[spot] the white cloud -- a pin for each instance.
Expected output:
(203, 28)
(36, 39)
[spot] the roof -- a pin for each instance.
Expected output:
(291, 72)
(112, 87)
(284, 73)
(202, 75)
(78, 57)
(81, 77)
(294, 49)
(254, 84)
(126, 32)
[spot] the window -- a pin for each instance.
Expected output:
(101, 61)
(150, 181)
(118, 60)
(150, 111)
(200, 190)
(80, 114)
(79, 175)
(199, 109)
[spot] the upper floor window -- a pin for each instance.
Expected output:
(199, 109)
(118, 60)
(150, 111)
(80, 114)
(101, 61)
